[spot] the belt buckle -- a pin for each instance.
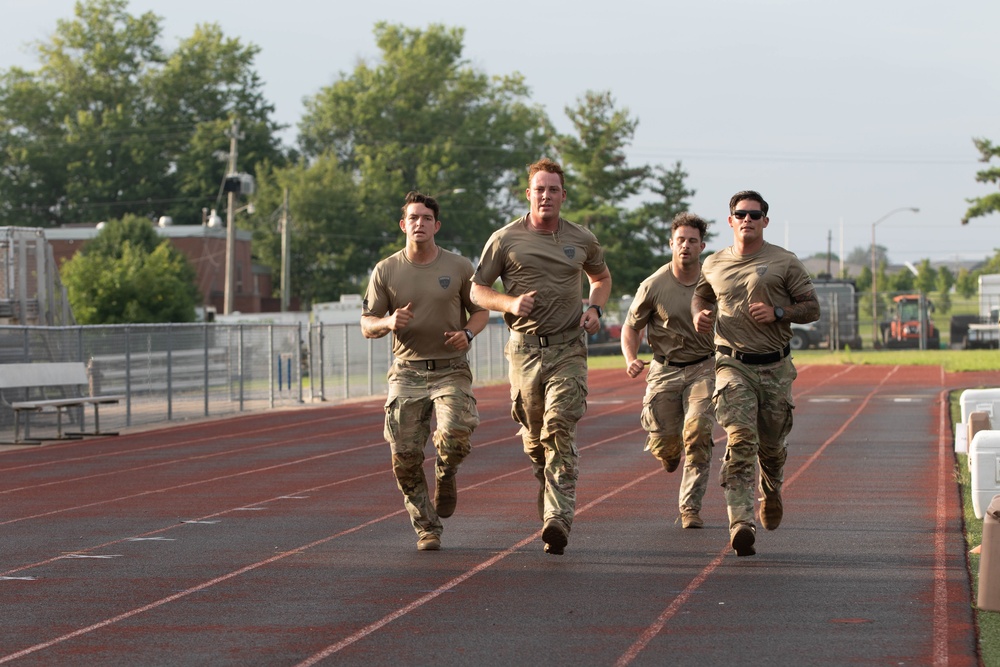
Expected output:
(430, 364)
(543, 341)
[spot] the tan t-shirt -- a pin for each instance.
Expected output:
(552, 264)
(662, 305)
(772, 275)
(439, 292)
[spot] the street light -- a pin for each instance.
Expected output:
(874, 277)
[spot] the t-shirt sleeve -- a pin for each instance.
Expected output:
(467, 302)
(595, 258)
(490, 263)
(798, 281)
(640, 311)
(704, 289)
(376, 302)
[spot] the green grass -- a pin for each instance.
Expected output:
(951, 360)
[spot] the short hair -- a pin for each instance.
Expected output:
(687, 219)
(548, 165)
(414, 197)
(747, 194)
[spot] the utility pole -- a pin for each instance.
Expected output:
(286, 265)
(234, 132)
(829, 251)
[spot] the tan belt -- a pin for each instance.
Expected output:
(547, 341)
(431, 364)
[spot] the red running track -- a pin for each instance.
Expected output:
(280, 539)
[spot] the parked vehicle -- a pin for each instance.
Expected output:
(805, 336)
(910, 325)
(837, 326)
(982, 330)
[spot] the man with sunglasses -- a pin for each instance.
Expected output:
(677, 410)
(750, 293)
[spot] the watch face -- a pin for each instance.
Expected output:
(779, 313)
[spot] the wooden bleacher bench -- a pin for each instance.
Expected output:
(68, 378)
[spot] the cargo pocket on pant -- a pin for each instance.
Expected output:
(390, 430)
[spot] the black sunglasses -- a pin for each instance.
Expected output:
(739, 214)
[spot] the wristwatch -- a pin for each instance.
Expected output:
(600, 312)
(468, 334)
(779, 313)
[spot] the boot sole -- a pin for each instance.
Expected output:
(555, 538)
(743, 541)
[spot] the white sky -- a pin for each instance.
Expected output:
(837, 112)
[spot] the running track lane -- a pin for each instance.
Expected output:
(361, 594)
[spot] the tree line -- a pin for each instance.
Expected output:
(112, 126)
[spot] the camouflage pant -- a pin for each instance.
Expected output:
(678, 415)
(548, 390)
(414, 394)
(754, 404)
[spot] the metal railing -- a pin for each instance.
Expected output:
(172, 372)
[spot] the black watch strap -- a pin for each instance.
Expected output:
(600, 311)
(469, 335)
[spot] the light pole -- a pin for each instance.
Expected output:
(874, 277)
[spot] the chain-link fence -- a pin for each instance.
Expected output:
(169, 372)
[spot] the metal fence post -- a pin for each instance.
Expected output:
(128, 377)
(322, 363)
(270, 365)
(371, 366)
(347, 363)
(205, 354)
(170, 372)
(298, 356)
(239, 361)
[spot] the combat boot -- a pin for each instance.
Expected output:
(742, 537)
(428, 542)
(555, 536)
(771, 511)
(446, 495)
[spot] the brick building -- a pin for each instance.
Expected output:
(205, 248)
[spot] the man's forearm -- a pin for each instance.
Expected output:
(699, 304)
(804, 310)
(600, 289)
(374, 327)
(489, 298)
(630, 343)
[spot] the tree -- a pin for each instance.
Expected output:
(902, 281)
(863, 256)
(943, 282)
(599, 182)
(965, 284)
(653, 220)
(926, 279)
(864, 281)
(127, 274)
(420, 119)
(112, 124)
(980, 206)
(330, 254)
